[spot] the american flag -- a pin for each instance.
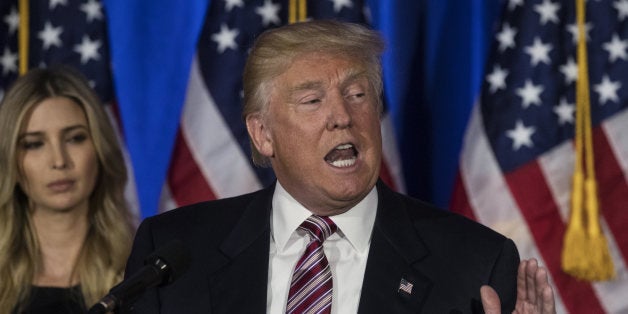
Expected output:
(405, 286)
(71, 32)
(518, 156)
(211, 156)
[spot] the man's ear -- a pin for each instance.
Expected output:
(260, 134)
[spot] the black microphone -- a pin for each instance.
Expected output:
(163, 266)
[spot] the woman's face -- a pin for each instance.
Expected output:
(56, 156)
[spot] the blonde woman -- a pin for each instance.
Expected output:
(65, 228)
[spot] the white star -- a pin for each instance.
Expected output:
(226, 38)
(622, 9)
(607, 90)
(8, 61)
(88, 49)
(570, 71)
(269, 12)
(539, 52)
(54, 3)
(521, 135)
(506, 37)
(339, 4)
(565, 111)
(497, 79)
(530, 94)
(12, 20)
(547, 10)
(512, 4)
(575, 34)
(50, 35)
(230, 4)
(93, 10)
(616, 48)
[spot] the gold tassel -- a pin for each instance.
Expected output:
(23, 36)
(297, 11)
(585, 249)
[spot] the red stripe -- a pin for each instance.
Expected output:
(612, 190)
(384, 174)
(185, 179)
(460, 201)
(533, 196)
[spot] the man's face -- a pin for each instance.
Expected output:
(322, 132)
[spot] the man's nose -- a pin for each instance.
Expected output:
(339, 114)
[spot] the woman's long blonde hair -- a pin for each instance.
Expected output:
(108, 240)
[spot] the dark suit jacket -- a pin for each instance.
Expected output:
(444, 256)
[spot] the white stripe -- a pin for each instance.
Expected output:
(166, 201)
(490, 197)
(212, 144)
(616, 130)
(130, 191)
(557, 167)
(391, 153)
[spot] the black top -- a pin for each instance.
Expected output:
(54, 300)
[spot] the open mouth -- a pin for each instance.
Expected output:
(344, 155)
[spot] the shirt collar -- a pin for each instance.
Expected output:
(355, 225)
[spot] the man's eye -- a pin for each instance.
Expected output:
(357, 96)
(312, 101)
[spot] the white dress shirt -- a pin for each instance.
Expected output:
(346, 250)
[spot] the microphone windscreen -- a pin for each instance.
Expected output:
(174, 254)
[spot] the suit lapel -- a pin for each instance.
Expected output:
(393, 282)
(238, 282)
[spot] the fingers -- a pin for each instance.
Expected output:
(534, 292)
(532, 267)
(521, 282)
(545, 292)
(490, 300)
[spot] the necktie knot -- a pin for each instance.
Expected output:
(319, 227)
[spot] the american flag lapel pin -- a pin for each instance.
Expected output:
(405, 287)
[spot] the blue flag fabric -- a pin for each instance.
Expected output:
(436, 50)
(153, 42)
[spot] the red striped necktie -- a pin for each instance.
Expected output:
(311, 286)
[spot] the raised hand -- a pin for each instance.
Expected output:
(534, 293)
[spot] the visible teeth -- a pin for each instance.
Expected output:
(344, 162)
(342, 156)
(344, 146)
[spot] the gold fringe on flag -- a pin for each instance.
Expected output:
(297, 11)
(585, 249)
(23, 36)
